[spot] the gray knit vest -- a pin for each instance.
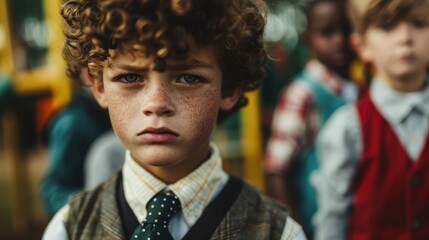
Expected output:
(94, 215)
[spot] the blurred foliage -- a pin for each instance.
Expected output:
(286, 22)
(29, 31)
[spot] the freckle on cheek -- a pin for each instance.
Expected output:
(203, 110)
(119, 117)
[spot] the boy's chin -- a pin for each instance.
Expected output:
(161, 163)
(339, 64)
(409, 74)
(157, 161)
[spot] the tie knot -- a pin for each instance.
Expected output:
(162, 207)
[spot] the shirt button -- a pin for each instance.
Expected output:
(417, 224)
(416, 181)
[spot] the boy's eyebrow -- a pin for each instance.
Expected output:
(133, 68)
(177, 66)
(189, 64)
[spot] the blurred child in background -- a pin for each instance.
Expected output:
(70, 135)
(105, 157)
(304, 107)
(373, 180)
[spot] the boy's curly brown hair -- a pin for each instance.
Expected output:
(161, 28)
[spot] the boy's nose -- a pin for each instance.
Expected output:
(157, 101)
(404, 32)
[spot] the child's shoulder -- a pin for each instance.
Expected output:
(90, 207)
(342, 129)
(258, 201)
(90, 199)
(255, 215)
(262, 216)
(309, 80)
(344, 118)
(297, 92)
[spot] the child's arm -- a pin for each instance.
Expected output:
(289, 126)
(339, 148)
(65, 162)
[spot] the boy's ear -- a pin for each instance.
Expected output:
(228, 102)
(358, 44)
(97, 88)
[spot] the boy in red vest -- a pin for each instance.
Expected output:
(373, 182)
(168, 71)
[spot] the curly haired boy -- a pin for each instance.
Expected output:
(167, 71)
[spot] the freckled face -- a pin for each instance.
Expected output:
(164, 118)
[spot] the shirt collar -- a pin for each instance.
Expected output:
(194, 190)
(395, 105)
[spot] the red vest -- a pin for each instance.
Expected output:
(391, 198)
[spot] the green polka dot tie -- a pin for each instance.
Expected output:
(160, 209)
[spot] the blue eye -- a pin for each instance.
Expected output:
(129, 78)
(189, 79)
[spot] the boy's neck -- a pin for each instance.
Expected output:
(405, 84)
(340, 71)
(172, 174)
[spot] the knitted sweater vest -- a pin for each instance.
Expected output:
(94, 215)
(391, 191)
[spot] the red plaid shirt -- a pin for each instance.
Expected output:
(296, 119)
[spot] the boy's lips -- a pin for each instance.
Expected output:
(406, 54)
(407, 57)
(157, 135)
